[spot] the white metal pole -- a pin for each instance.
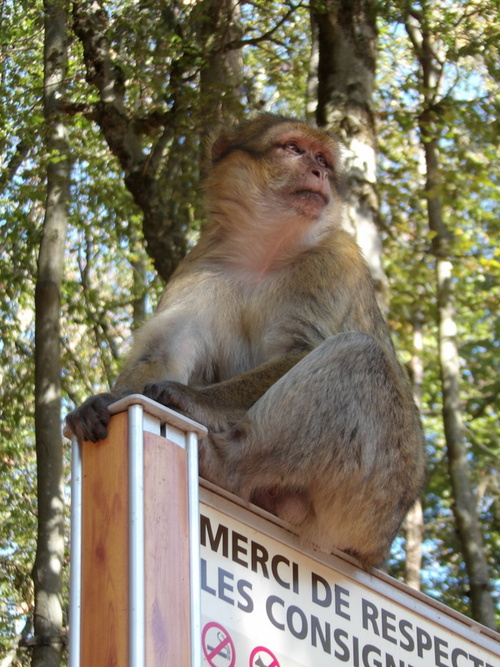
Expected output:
(137, 618)
(194, 548)
(75, 585)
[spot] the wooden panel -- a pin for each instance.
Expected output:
(166, 553)
(104, 627)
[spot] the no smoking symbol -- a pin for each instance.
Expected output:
(262, 657)
(218, 646)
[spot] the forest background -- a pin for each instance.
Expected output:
(105, 108)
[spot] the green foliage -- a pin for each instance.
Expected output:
(110, 285)
(470, 195)
(20, 202)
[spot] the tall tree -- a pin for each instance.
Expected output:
(431, 121)
(47, 570)
(414, 522)
(346, 53)
(221, 75)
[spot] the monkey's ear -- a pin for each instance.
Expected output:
(220, 146)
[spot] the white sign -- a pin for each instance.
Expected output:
(266, 603)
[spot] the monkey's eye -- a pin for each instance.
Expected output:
(293, 147)
(321, 159)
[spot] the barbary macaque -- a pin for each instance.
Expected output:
(269, 334)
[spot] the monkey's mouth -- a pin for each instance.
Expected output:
(312, 194)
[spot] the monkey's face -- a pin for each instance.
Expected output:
(302, 169)
(278, 171)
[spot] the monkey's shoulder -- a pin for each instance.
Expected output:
(340, 244)
(335, 261)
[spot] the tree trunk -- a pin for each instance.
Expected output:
(464, 506)
(47, 570)
(414, 522)
(221, 76)
(347, 50)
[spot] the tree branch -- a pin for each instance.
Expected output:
(265, 37)
(124, 136)
(22, 150)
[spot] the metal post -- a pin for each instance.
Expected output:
(194, 547)
(76, 554)
(137, 612)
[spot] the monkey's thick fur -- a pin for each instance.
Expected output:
(269, 334)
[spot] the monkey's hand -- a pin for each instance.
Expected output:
(90, 421)
(198, 404)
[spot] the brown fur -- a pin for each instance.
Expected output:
(270, 335)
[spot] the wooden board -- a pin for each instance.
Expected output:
(166, 553)
(104, 603)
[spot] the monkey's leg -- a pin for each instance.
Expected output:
(338, 433)
(325, 411)
(218, 406)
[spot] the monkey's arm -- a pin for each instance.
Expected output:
(219, 405)
(216, 406)
(167, 347)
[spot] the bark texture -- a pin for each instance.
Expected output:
(347, 51)
(221, 75)
(47, 570)
(414, 522)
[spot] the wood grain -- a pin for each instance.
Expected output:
(166, 553)
(104, 613)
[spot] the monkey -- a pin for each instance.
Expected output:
(269, 334)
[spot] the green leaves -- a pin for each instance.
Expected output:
(161, 50)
